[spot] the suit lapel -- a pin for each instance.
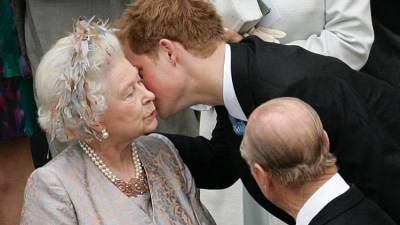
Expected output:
(241, 77)
(338, 206)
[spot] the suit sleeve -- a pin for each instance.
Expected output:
(210, 161)
(46, 201)
(348, 34)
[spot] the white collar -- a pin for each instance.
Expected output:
(230, 100)
(334, 187)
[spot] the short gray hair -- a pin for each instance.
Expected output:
(285, 136)
(53, 82)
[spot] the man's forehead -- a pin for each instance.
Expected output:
(133, 58)
(128, 53)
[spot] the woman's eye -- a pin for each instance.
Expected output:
(130, 93)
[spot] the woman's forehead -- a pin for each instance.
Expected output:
(122, 73)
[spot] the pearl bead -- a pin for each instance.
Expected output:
(103, 167)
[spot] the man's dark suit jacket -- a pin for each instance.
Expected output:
(360, 114)
(352, 208)
(384, 59)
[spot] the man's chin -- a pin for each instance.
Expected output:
(165, 113)
(161, 113)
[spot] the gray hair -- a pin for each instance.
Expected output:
(285, 137)
(70, 87)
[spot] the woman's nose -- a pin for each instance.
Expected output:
(148, 96)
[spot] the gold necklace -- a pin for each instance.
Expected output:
(135, 186)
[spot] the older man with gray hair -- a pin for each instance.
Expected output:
(287, 150)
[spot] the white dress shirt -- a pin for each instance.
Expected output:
(230, 99)
(334, 187)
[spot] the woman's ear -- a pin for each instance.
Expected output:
(168, 48)
(97, 127)
(99, 131)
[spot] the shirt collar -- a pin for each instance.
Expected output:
(334, 187)
(230, 99)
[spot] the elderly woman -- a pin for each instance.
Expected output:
(91, 97)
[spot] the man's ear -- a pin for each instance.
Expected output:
(325, 139)
(263, 178)
(168, 47)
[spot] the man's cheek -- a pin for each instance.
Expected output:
(150, 85)
(146, 82)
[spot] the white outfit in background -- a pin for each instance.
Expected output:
(338, 28)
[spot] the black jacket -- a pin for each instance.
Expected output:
(359, 113)
(351, 208)
(384, 59)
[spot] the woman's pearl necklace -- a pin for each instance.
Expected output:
(136, 186)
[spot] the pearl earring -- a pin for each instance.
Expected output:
(104, 134)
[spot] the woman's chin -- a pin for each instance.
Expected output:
(152, 126)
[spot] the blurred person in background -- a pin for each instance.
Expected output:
(17, 117)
